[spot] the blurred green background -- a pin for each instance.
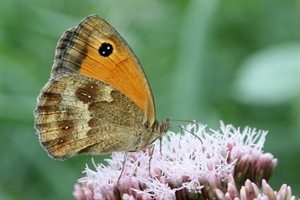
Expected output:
(236, 61)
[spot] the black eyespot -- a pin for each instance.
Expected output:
(105, 50)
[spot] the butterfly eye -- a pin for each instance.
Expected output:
(105, 49)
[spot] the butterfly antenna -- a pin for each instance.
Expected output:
(182, 129)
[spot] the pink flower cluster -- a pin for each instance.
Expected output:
(195, 164)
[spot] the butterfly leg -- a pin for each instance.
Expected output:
(123, 167)
(150, 153)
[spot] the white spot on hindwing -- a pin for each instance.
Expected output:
(107, 93)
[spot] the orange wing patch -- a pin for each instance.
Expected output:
(121, 69)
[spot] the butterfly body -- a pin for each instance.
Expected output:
(98, 99)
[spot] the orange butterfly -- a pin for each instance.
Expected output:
(98, 99)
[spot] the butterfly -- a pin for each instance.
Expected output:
(98, 99)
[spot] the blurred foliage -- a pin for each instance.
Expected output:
(236, 61)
